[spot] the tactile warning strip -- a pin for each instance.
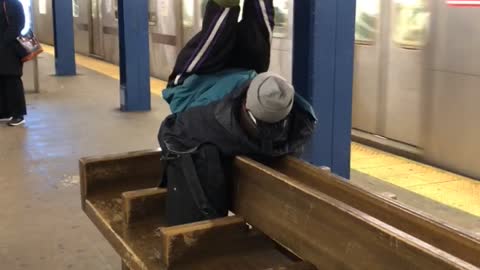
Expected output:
(451, 189)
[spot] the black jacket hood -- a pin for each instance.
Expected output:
(218, 124)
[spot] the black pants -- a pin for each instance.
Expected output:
(12, 97)
(224, 42)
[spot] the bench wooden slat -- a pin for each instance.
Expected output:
(296, 266)
(213, 234)
(140, 247)
(141, 204)
(420, 225)
(101, 173)
(325, 231)
(115, 239)
(139, 244)
(329, 231)
(125, 266)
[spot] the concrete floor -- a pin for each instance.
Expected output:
(42, 225)
(41, 222)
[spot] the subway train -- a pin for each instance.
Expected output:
(417, 67)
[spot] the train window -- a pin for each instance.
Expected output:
(189, 12)
(109, 6)
(152, 11)
(366, 21)
(42, 7)
(115, 9)
(410, 23)
(281, 18)
(76, 8)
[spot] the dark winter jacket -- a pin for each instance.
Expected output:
(11, 25)
(218, 123)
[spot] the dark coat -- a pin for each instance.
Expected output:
(11, 25)
(218, 124)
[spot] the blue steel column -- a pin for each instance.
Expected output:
(323, 73)
(63, 38)
(134, 55)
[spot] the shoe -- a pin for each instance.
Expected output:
(5, 119)
(17, 121)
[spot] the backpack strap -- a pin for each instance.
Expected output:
(198, 194)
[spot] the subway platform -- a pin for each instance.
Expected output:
(43, 226)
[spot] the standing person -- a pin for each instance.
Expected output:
(12, 96)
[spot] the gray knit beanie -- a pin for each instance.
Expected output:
(270, 97)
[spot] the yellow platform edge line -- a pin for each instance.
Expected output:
(107, 69)
(447, 188)
(450, 189)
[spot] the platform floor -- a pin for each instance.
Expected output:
(41, 222)
(42, 225)
(447, 188)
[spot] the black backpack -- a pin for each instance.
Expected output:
(197, 185)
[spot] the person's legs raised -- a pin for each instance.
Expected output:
(254, 36)
(210, 50)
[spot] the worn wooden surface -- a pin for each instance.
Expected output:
(140, 246)
(419, 225)
(124, 266)
(177, 241)
(141, 204)
(128, 169)
(297, 212)
(110, 198)
(296, 266)
(325, 231)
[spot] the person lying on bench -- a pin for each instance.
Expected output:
(226, 103)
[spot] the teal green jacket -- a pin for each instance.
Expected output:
(200, 90)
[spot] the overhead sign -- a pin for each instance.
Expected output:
(464, 3)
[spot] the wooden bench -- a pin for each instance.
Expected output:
(303, 217)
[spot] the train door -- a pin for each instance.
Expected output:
(165, 35)
(192, 18)
(282, 43)
(367, 66)
(81, 17)
(390, 68)
(96, 29)
(43, 14)
(405, 73)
